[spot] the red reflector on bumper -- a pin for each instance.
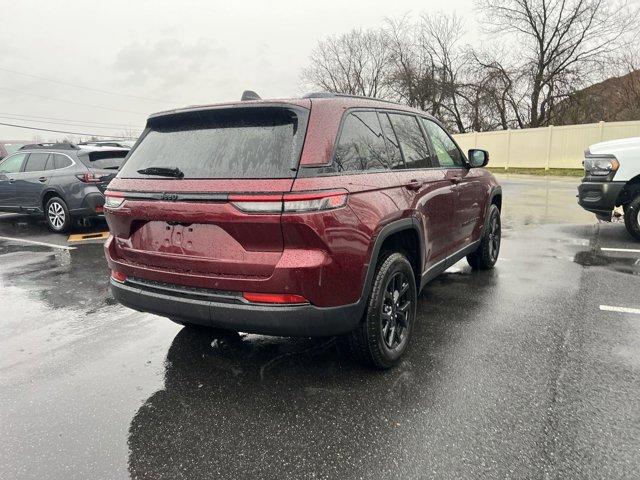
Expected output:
(274, 298)
(118, 276)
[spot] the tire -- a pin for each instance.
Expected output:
(486, 256)
(382, 338)
(57, 215)
(632, 217)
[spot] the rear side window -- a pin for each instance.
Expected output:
(412, 142)
(249, 142)
(37, 162)
(446, 150)
(393, 147)
(361, 145)
(108, 160)
(12, 164)
(60, 161)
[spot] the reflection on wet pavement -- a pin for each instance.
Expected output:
(596, 258)
(541, 200)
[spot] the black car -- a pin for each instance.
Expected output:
(62, 181)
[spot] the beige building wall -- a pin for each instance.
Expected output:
(547, 147)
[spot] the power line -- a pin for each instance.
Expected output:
(37, 117)
(73, 123)
(107, 92)
(70, 101)
(68, 133)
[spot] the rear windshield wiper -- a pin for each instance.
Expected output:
(162, 172)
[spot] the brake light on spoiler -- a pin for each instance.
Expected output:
(290, 202)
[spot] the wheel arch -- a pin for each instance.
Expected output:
(47, 195)
(495, 198)
(392, 233)
(629, 191)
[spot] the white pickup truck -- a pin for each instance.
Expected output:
(612, 179)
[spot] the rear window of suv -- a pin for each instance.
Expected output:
(246, 142)
(104, 159)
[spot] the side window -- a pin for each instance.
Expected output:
(13, 164)
(361, 146)
(37, 162)
(448, 153)
(60, 161)
(393, 147)
(412, 142)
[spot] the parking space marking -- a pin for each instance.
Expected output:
(33, 242)
(629, 250)
(608, 308)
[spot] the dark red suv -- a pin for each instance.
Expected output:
(318, 216)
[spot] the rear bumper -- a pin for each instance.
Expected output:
(229, 311)
(92, 204)
(599, 197)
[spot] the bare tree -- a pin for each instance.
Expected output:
(428, 65)
(629, 87)
(413, 78)
(615, 99)
(441, 35)
(355, 63)
(502, 103)
(560, 44)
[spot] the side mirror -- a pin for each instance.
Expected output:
(478, 158)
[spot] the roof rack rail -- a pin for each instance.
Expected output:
(343, 95)
(51, 146)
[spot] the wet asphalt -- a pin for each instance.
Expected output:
(513, 373)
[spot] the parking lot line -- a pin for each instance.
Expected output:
(608, 308)
(629, 250)
(33, 242)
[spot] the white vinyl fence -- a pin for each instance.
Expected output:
(547, 147)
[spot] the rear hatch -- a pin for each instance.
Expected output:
(103, 164)
(189, 187)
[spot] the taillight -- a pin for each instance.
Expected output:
(89, 177)
(290, 202)
(118, 276)
(279, 298)
(314, 202)
(257, 203)
(112, 201)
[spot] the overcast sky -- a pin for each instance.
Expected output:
(171, 53)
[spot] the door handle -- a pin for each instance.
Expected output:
(457, 179)
(11, 180)
(413, 185)
(42, 179)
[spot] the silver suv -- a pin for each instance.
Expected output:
(62, 181)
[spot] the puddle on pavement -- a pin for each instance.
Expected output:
(76, 279)
(596, 258)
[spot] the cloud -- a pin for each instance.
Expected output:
(167, 63)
